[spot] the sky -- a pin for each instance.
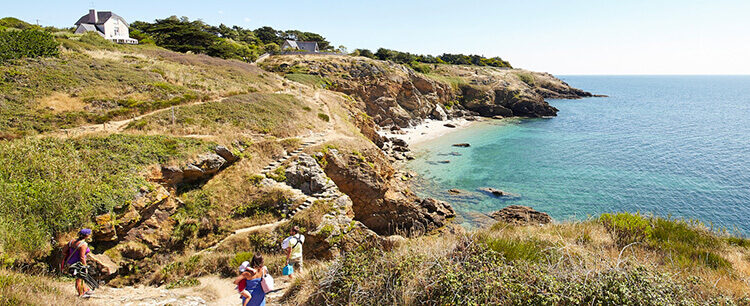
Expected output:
(560, 37)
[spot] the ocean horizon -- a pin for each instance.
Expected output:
(670, 145)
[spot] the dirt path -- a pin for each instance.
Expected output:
(213, 290)
(116, 126)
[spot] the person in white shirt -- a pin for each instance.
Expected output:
(293, 247)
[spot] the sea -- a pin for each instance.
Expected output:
(670, 146)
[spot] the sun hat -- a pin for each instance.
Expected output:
(85, 232)
(244, 266)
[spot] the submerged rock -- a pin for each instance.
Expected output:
(461, 145)
(521, 215)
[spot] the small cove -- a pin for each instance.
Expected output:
(670, 145)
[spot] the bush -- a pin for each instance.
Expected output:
(533, 250)
(324, 117)
(471, 275)
(239, 258)
(683, 243)
(15, 23)
(27, 43)
(94, 39)
(626, 228)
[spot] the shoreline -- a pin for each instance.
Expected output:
(429, 129)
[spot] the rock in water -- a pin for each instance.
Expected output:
(494, 192)
(462, 145)
(521, 215)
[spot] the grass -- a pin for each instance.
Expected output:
(309, 79)
(111, 82)
(454, 81)
(527, 78)
(560, 264)
(267, 113)
(23, 289)
(52, 186)
(685, 243)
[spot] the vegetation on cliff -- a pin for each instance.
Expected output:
(52, 186)
(563, 264)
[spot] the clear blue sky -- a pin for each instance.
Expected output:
(561, 37)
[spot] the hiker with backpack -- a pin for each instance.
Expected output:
(254, 282)
(74, 259)
(293, 247)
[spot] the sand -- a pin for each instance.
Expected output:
(428, 130)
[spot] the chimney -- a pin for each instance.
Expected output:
(93, 18)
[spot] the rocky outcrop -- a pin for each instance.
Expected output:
(200, 169)
(521, 215)
(382, 202)
(305, 174)
(391, 94)
(395, 95)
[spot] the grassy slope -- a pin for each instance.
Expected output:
(571, 263)
(51, 186)
(280, 115)
(95, 81)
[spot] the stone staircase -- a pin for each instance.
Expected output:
(309, 200)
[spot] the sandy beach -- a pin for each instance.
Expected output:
(429, 129)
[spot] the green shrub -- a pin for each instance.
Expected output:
(533, 250)
(527, 78)
(739, 241)
(15, 23)
(27, 43)
(184, 282)
(419, 67)
(324, 117)
(255, 179)
(239, 258)
(683, 243)
(279, 174)
(94, 39)
(626, 228)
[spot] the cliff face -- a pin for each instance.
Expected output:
(390, 93)
(394, 94)
(380, 200)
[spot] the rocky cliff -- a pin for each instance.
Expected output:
(395, 95)
(381, 201)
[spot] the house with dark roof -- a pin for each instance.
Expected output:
(293, 45)
(107, 24)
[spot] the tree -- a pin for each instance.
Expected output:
(365, 53)
(268, 35)
(341, 49)
(178, 34)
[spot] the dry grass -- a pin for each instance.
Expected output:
(558, 257)
(23, 289)
(61, 102)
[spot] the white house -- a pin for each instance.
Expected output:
(107, 24)
(293, 45)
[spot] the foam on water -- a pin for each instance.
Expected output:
(668, 145)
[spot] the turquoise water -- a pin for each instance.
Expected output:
(669, 145)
